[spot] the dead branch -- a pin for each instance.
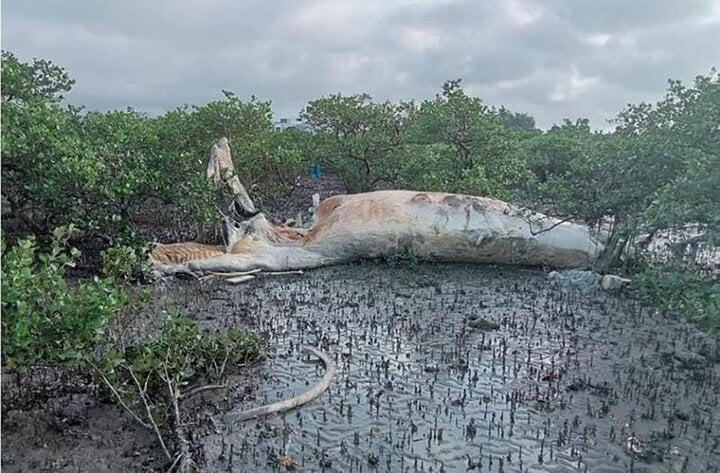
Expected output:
(236, 277)
(174, 464)
(221, 174)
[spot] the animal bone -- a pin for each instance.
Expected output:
(296, 401)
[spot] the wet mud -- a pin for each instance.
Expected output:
(440, 368)
(461, 368)
(57, 422)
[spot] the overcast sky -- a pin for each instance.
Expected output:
(554, 59)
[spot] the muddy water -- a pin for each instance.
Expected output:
(452, 368)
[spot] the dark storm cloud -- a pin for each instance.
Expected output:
(555, 59)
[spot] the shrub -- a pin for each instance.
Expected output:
(180, 355)
(151, 379)
(681, 290)
(45, 322)
(126, 263)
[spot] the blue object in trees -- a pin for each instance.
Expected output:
(315, 171)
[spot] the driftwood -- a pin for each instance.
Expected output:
(430, 225)
(297, 401)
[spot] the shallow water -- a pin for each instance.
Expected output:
(573, 379)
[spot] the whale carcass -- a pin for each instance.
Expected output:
(431, 226)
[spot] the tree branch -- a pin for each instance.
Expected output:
(143, 396)
(118, 396)
(185, 464)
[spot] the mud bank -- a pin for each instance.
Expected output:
(440, 368)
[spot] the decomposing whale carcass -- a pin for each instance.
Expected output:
(430, 225)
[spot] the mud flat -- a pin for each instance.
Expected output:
(454, 368)
(439, 368)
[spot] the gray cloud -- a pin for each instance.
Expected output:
(556, 59)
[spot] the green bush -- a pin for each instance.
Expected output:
(126, 263)
(184, 352)
(45, 322)
(481, 157)
(680, 290)
(178, 357)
